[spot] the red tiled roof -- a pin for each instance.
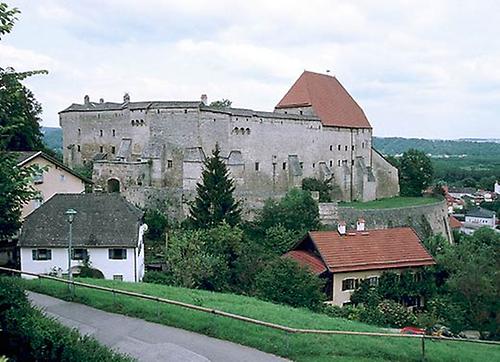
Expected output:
(454, 222)
(373, 249)
(307, 259)
(329, 99)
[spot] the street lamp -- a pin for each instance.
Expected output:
(70, 216)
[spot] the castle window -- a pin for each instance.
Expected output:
(314, 165)
(79, 131)
(248, 130)
(284, 165)
(158, 111)
(286, 112)
(142, 122)
(236, 130)
(331, 147)
(353, 147)
(101, 149)
(331, 163)
(346, 147)
(114, 133)
(256, 166)
(242, 130)
(132, 122)
(301, 112)
(100, 133)
(338, 147)
(78, 148)
(170, 163)
(352, 162)
(362, 145)
(338, 162)
(185, 111)
(301, 164)
(113, 150)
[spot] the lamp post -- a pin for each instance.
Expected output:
(70, 216)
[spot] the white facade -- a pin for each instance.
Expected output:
(480, 221)
(497, 188)
(130, 269)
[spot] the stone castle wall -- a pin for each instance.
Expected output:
(424, 219)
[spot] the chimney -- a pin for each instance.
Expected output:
(341, 227)
(101, 100)
(360, 225)
(126, 98)
(86, 99)
(204, 99)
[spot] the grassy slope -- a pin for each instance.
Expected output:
(392, 202)
(295, 347)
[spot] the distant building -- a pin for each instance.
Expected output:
(344, 258)
(57, 178)
(477, 218)
(497, 188)
(455, 224)
(107, 231)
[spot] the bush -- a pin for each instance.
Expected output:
(158, 277)
(395, 315)
(284, 281)
(324, 189)
(29, 336)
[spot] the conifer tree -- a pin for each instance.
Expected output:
(214, 203)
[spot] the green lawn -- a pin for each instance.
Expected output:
(296, 347)
(389, 203)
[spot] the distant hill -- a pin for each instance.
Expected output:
(52, 137)
(398, 145)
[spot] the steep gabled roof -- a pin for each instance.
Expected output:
(24, 157)
(102, 220)
(329, 99)
(370, 250)
(454, 222)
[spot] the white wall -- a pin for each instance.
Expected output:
(99, 257)
(480, 221)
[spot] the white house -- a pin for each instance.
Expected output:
(497, 188)
(107, 230)
(478, 218)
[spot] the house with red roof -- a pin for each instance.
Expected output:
(343, 258)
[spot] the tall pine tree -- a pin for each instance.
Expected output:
(214, 203)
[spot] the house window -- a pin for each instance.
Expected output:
(114, 133)
(101, 149)
(79, 254)
(100, 133)
(113, 150)
(170, 163)
(349, 284)
(372, 281)
(41, 254)
(118, 277)
(256, 166)
(284, 166)
(118, 254)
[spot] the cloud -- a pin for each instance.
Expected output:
(431, 66)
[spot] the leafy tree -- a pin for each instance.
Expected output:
(296, 211)
(416, 173)
(285, 281)
(279, 239)
(16, 188)
(221, 104)
(157, 223)
(214, 202)
(323, 187)
(7, 18)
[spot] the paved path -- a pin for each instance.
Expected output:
(143, 340)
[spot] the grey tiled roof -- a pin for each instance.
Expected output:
(102, 220)
(111, 106)
(480, 212)
(243, 112)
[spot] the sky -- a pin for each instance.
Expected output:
(427, 69)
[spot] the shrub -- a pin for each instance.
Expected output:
(324, 189)
(284, 281)
(29, 336)
(394, 314)
(158, 277)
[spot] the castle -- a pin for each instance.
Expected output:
(153, 151)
